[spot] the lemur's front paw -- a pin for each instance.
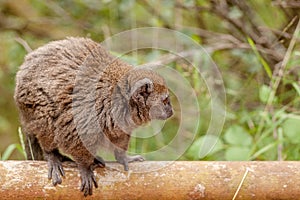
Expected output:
(124, 159)
(135, 158)
(55, 170)
(88, 179)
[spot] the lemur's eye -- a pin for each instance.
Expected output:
(166, 99)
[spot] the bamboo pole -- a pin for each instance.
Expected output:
(157, 180)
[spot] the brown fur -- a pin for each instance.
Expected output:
(74, 97)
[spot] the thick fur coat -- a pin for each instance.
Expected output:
(74, 97)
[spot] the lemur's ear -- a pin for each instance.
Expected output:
(141, 90)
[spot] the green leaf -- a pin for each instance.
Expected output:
(237, 153)
(263, 150)
(264, 93)
(22, 141)
(195, 148)
(237, 135)
(291, 129)
(235, 13)
(297, 87)
(260, 58)
(8, 151)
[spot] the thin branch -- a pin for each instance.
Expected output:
(196, 7)
(167, 59)
(279, 33)
(221, 10)
(241, 183)
(153, 11)
(24, 44)
(287, 27)
(287, 4)
(220, 41)
(285, 60)
(164, 60)
(58, 10)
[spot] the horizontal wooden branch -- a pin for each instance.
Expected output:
(157, 180)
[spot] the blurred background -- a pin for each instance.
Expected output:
(255, 44)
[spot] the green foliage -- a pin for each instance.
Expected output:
(9, 150)
(240, 141)
(12, 147)
(264, 93)
(260, 58)
(291, 130)
(194, 150)
(237, 153)
(237, 135)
